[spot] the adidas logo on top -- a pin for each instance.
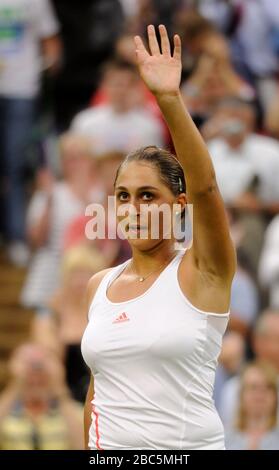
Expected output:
(122, 317)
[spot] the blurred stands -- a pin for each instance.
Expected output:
(15, 321)
(81, 73)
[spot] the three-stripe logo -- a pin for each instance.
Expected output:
(122, 317)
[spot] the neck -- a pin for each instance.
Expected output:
(145, 261)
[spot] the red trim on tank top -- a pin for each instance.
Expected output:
(96, 414)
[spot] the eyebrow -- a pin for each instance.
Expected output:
(142, 188)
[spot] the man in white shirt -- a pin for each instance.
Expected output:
(28, 44)
(240, 156)
(121, 124)
(247, 169)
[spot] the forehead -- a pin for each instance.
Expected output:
(136, 174)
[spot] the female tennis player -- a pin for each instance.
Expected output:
(156, 321)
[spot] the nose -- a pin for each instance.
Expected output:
(135, 203)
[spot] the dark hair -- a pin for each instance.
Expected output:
(169, 169)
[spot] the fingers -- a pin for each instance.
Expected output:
(165, 43)
(154, 46)
(140, 48)
(152, 39)
(177, 47)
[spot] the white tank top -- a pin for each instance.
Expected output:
(153, 359)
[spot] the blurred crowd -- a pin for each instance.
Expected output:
(71, 106)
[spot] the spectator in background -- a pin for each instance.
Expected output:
(199, 36)
(256, 422)
(36, 409)
(245, 302)
(130, 126)
(246, 166)
(230, 361)
(223, 13)
(253, 29)
(213, 80)
(265, 345)
(253, 41)
(107, 165)
(156, 12)
(271, 123)
(124, 48)
(125, 53)
(269, 263)
(115, 250)
(237, 150)
(51, 211)
(28, 44)
(62, 325)
(89, 34)
(245, 296)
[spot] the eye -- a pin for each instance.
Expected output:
(147, 196)
(123, 196)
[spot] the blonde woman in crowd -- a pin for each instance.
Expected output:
(256, 422)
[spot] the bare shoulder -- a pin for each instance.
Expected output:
(94, 283)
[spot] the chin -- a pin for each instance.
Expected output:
(144, 245)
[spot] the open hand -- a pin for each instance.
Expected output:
(161, 72)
